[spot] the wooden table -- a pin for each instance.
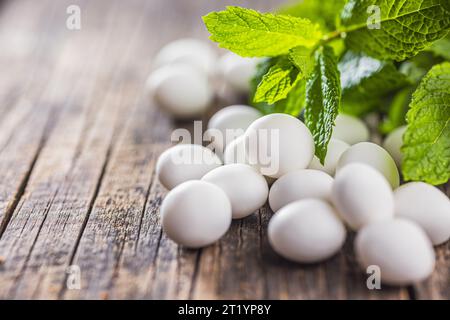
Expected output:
(78, 145)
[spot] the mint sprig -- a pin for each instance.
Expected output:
(302, 72)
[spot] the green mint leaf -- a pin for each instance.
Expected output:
(295, 101)
(365, 80)
(406, 27)
(426, 143)
(359, 108)
(281, 77)
(324, 13)
(277, 82)
(397, 110)
(425, 60)
(441, 48)
(292, 104)
(301, 58)
(323, 93)
(253, 34)
(412, 71)
(364, 76)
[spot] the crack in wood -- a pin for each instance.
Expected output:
(91, 205)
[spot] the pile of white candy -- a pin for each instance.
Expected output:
(313, 203)
(183, 80)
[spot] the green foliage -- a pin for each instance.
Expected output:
(253, 34)
(364, 77)
(397, 111)
(323, 93)
(441, 48)
(292, 104)
(365, 80)
(303, 43)
(276, 84)
(426, 146)
(359, 108)
(301, 58)
(406, 27)
(321, 12)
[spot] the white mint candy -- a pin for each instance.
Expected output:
(298, 185)
(335, 149)
(181, 90)
(350, 129)
(196, 214)
(237, 71)
(279, 143)
(235, 151)
(400, 248)
(393, 144)
(230, 122)
(427, 206)
(185, 162)
(244, 186)
(373, 155)
(306, 231)
(193, 52)
(362, 195)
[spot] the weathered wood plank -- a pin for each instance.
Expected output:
(30, 34)
(43, 232)
(17, 159)
(26, 68)
(111, 249)
(65, 221)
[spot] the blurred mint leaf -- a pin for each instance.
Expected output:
(426, 143)
(253, 34)
(323, 94)
(397, 110)
(365, 80)
(359, 108)
(292, 104)
(325, 13)
(412, 71)
(406, 27)
(441, 48)
(277, 82)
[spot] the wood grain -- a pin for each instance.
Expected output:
(78, 144)
(437, 287)
(20, 94)
(53, 209)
